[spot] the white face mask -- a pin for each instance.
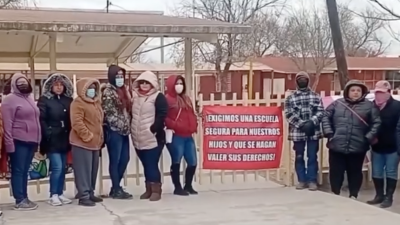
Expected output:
(179, 88)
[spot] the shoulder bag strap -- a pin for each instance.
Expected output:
(179, 113)
(354, 113)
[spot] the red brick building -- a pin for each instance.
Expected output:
(280, 77)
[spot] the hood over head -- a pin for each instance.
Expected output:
(83, 84)
(14, 79)
(170, 83)
(57, 77)
(351, 83)
(149, 77)
(112, 73)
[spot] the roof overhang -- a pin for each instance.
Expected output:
(92, 36)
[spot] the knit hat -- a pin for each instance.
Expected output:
(382, 86)
(302, 74)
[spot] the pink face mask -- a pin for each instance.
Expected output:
(381, 98)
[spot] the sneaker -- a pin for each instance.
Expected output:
(312, 186)
(86, 202)
(301, 186)
(25, 205)
(55, 200)
(64, 200)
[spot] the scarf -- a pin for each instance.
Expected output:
(381, 99)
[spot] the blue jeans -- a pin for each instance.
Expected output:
(119, 156)
(58, 167)
(20, 161)
(385, 165)
(309, 173)
(150, 159)
(182, 147)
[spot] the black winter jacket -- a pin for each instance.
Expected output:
(389, 115)
(347, 133)
(55, 116)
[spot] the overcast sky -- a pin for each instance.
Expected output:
(167, 5)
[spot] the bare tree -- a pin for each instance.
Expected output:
(387, 14)
(16, 3)
(230, 49)
(362, 33)
(305, 38)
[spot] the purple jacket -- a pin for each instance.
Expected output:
(20, 117)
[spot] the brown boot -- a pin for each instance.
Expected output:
(155, 192)
(147, 193)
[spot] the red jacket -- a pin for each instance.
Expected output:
(185, 124)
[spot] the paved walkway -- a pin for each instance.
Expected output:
(278, 205)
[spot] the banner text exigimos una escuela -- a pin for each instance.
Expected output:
(242, 137)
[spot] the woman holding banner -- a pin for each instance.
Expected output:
(149, 110)
(54, 106)
(181, 121)
(351, 124)
(384, 157)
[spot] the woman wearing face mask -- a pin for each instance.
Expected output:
(54, 106)
(117, 106)
(351, 124)
(22, 135)
(182, 120)
(86, 138)
(384, 157)
(149, 110)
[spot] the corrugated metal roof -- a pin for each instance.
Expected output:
(91, 21)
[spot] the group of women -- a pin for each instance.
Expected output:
(354, 125)
(101, 115)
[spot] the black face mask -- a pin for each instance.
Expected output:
(302, 84)
(24, 88)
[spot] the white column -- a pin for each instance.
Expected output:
(189, 66)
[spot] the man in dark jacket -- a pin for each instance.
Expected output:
(54, 106)
(384, 158)
(351, 124)
(303, 111)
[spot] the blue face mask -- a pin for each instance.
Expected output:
(119, 82)
(91, 92)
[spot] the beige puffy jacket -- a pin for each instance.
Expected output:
(143, 113)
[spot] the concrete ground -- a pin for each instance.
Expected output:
(368, 194)
(268, 204)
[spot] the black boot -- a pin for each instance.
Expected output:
(190, 171)
(390, 189)
(175, 176)
(379, 196)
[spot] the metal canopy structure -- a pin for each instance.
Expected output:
(77, 36)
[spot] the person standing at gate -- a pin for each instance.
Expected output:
(54, 106)
(351, 125)
(117, 106)
(384, 157)
(22, 136)
(149, 111)
(86, 138)
(182, 121)
(304, 111)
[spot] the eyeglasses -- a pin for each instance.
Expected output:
(143, 82)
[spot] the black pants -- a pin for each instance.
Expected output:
(352, 164)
